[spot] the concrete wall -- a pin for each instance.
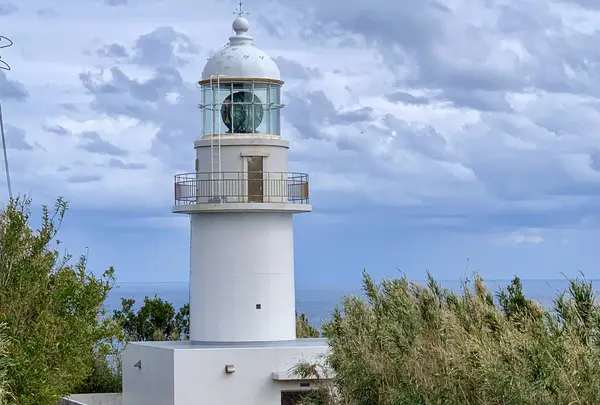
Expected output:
(251, 384)
(153, 380)
(93, 399)
(233, 150)
(195, 373)
(235, 153)
(242, 277)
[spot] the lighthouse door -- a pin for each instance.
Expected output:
(255, 178)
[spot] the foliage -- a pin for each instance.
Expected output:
(104, 377)
(304, 328)
(155, 320)
(411, 344)
(5, 362)
(52, 308)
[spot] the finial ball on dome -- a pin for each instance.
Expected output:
(240, 25)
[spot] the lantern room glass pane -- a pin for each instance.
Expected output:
(238, 112)
(274, 119)
(275, 94)
(261, 91)
(223, 96)
(212, 99)
(207, 110)
(242, 108)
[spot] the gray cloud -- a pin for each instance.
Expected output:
(113, 51)
(424, 140)
(477, 99)
(84, 178)
(290, 68)
(119, 164)
(46, 12)
(16, 138)
(465, 61)
(164, 81)
(69, 107)
(12, 89)
(310, 112)
(142, 100)
(116, 2)
(591, 4)
(160, 48)
(273, 28)
(7, 9)
(406, 98)
(56, 129)
(95, 144)
(515, 162)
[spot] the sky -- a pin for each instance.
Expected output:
(449, 136)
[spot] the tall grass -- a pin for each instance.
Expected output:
(4, 364)
(409, 344)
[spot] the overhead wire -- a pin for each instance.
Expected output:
(5, 43)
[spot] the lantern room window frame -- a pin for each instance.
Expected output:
(215, 93)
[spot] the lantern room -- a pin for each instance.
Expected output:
(241, 89)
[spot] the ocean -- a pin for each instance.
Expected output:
(316, 303)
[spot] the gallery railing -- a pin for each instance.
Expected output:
(241, 187)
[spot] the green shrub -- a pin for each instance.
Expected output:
(304, 328)
(50, 306)
(409, 344)
(5, 362)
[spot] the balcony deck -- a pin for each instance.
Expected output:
(241, 191)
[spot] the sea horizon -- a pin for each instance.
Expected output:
(318, 303)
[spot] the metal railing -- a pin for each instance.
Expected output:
(241, 187)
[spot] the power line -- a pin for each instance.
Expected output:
(5, 66)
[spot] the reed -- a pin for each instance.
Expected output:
(409, 344)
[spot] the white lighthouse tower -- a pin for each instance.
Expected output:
(241, 199)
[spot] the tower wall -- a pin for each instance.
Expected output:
(242, 277)
(234, 152)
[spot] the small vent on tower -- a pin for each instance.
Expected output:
(258, 306)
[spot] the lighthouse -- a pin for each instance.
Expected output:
(240, 198)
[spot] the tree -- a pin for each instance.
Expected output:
(52, 307)
(155, 320)
(304, 328)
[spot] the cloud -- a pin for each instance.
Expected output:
(12, 89)
(56, 129)
(8, 9)
(16, 138)
(407, 98)
(525, 236)
(465, 115)
(292, 69)
(94, 143)
(119, 164)
(113, 51)
(162, 48)
(116, 2)
(47, 12)
(590, 4)
(84, 178)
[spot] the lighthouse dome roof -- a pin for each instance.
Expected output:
(240, 58)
